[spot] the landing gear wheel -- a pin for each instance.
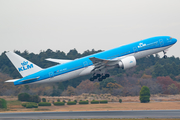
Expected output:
(91, 79)
(100, 79)
(165, 56)
(107, 75)
(98, 75)
(103, 77)
(94, 77)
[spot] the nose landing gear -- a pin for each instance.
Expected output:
(165, 56)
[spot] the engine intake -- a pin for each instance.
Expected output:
(127, 62)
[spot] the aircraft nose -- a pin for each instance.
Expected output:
(174, 40)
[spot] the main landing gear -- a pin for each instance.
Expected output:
(100, 77)
(165, 56)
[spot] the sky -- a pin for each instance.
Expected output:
(38, 25)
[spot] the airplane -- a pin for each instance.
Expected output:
(123, 57)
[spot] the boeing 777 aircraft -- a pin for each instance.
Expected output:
(122, 57)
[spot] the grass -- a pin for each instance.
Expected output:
(16, 106)
(120, 106)
(13, 102)
(13, 105)
(2, 110)
(38, 109)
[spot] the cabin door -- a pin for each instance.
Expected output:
(85, 64)
(161, 42)
(51, 74)
(135, 49)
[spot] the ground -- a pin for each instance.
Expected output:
(158, 102)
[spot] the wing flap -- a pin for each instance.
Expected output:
(60, 61)
(97, 60)
(102, 63)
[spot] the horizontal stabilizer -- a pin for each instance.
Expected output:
(12, 80)
(60, 61)
(30, 79)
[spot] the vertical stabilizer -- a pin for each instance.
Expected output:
(23, 66)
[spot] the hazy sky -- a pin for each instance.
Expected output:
(36, 25)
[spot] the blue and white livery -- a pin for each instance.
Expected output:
(122, 57)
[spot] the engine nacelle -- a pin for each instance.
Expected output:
(127, 62)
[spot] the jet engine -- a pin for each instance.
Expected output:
(127, 62)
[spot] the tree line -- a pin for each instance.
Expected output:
(159, 74)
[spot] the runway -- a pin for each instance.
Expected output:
(92, 114)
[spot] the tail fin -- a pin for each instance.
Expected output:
(23, 66)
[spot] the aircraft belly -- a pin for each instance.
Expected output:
(62, 77)
(86, 71)
(66, 76)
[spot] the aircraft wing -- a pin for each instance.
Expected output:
(101, 63)
(60, 61)
(11, 80)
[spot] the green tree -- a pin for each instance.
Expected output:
(24, 97)
(103, 84)
(3, 103)
(172, 89)
(144, 94)
(120, 100)
(26, 87)
(71, 91)
(35, 98)
(43, 99)
(61, 86)
(73, 54)
(159, 70)
(56, 91)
